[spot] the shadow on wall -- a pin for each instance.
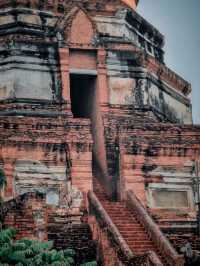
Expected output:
(168, 112)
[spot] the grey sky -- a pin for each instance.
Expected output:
(179, 21)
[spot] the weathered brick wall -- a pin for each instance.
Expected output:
(132, 149)
(60, 152)
(61, 7)
(28, 214)
(153, 156)
(180, 240)
(107, 254)
(72, 231)
(34, 219)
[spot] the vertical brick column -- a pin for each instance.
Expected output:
(65, 77)
(9, 172)
(81, 170)
(99, 148)
(102, 77)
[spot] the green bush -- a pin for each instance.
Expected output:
(93, 263)
(26, 252)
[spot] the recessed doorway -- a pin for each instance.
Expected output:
(82, 91)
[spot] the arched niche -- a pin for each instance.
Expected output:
(81, 31)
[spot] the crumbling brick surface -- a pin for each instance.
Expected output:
(72, 231)
(147, 153)
(134, 137)
(34, 219)
(51, 143)
(107, 254)
(26, 213)
(179, 241)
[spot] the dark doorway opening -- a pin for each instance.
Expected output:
(82, 91)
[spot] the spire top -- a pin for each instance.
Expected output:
(132, 3)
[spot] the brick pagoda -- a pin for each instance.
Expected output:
(96, 135)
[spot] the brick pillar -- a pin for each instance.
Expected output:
(9, 171)
(99, 149)
(81, 170)
(102, 77)
(65, 77)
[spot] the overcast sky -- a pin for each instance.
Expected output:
(179, 21)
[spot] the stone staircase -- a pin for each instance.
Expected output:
(130, 228)
(67, 231)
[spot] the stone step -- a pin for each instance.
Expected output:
(135, 237)
(133, 233)
(130, 228)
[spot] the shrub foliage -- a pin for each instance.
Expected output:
(26, 252)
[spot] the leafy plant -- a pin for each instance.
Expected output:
(26, 252)
(92, 263)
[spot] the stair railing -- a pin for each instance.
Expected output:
(162, 244)
(153, 259)
(102, 217)
(124, 253)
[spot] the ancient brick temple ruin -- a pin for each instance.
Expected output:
(96, 134)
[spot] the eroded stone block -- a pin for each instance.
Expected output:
(6, 20)
(121, 90)
(30, 19)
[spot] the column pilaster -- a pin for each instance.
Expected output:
(9, 173)
(65, 77)
(102, 83)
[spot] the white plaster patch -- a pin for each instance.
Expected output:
(76, 197)
(32, 79)
(121, 90)
(30, 19)
(170, 196)
(173, 107)
(52, 197)
(31, 176)
(34, 85)
(38, 170)
(73, 197)
(7, 84)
